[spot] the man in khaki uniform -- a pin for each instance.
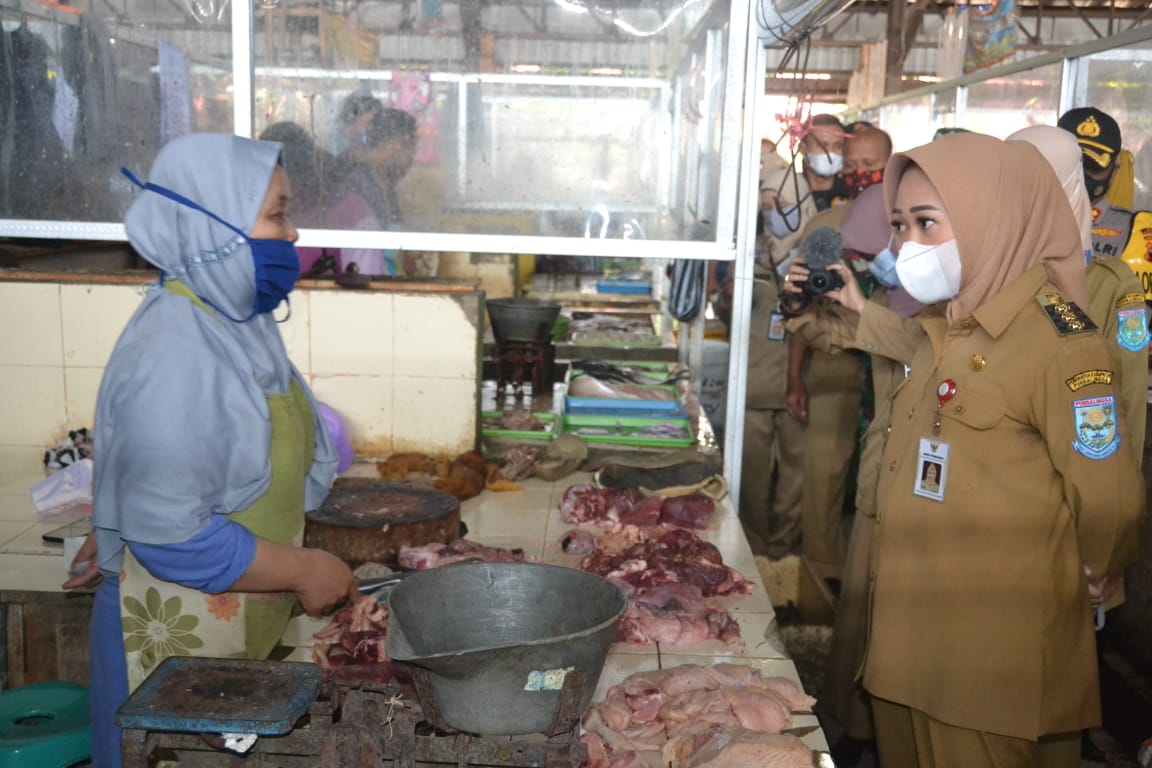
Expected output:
(829, 403)
(773, 468)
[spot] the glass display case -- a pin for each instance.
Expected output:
(559, 120)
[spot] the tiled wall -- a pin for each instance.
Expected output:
(402, 368)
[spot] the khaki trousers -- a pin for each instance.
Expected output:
(771, 481)
(908, 738)
(836, 382)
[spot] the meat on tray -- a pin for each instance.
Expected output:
(435, 555)
(676, 556)
(608, 507)
(696, 715)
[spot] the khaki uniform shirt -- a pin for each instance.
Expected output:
(833, 328)
(980, 611)
(1117, 308)
(767, 358)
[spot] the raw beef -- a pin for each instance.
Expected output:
(435, 555)
(355, 636)
(676, 557)
(610, 507)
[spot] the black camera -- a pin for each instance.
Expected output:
(821, 280)
(820, 250)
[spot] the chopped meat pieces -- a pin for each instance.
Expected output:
(609, 507)
(435, 555)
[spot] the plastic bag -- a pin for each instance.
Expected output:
(335, 426)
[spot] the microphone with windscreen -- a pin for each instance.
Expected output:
(820, 250)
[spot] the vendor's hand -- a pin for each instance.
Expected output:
(84, 565)
(850, 296)
(796, 400)
(326, 582)
(1100, 591)
(797, 274)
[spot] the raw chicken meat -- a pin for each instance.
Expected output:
(675, 615)
(722, 716)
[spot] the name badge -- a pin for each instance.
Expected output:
(931, 469)
(776, 330)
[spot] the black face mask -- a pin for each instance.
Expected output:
(1096, 188)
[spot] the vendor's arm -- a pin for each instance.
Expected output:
(227, 557)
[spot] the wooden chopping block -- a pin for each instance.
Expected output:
(367, 520)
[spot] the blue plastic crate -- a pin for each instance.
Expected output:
(656, 409)
(639, 287)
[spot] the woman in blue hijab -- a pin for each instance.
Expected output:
(208, 443)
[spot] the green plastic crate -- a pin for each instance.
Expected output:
(625, 430)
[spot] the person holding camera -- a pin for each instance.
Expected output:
(828, 399)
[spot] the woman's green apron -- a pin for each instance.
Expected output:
(162, 619)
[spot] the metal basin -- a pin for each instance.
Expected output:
(508, 648)
(522, 320)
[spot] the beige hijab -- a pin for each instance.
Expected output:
(1007, 210)
(789, 185)
(1062, 152)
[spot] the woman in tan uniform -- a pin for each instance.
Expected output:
(981, 644)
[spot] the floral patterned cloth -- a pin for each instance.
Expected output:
(161, 619)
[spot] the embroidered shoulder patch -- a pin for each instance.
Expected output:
(1084, 378)
(1130, 298)
(1132, 329)
(1065, 315)
(1095, 419)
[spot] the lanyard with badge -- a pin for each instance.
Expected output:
(932, 459)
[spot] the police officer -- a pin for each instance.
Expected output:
(1116, 231)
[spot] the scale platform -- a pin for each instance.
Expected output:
(202, 695)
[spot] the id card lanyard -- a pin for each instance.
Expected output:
(932, 460)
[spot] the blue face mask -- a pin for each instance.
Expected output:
(783, 224)
(277, 265)
(883, 268)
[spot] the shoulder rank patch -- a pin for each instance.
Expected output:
(1095, 418)
(1084, 378)
(1132, 329)
(1065, 315)
(1130, 298)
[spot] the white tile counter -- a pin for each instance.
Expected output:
(528, 519)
